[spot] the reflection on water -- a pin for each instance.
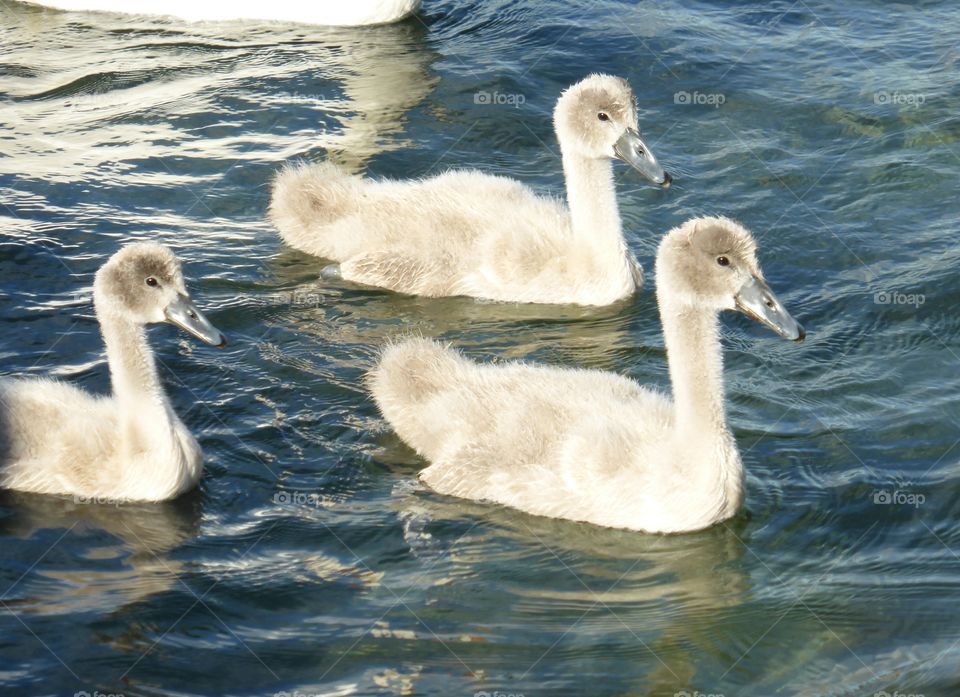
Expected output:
(674, 602)
(382, 78)
(75, 118)
(126, 551)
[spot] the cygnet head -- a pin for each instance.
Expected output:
(712, 263)
(143, 284)
(597, 118)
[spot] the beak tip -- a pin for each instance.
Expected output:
(667, 180)
(801, 334)
(182, 313)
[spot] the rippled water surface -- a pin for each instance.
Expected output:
(310, 560)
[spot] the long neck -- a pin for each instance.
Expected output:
(696, 373)
(592, 198)
(144, 409)
(696, 369)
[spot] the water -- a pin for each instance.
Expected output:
(310, 560)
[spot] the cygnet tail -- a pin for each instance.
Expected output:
(405, 383)
(412, 371)
(306, 203)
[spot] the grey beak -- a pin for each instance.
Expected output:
(757, 301)
(631, 149)
(184, 314)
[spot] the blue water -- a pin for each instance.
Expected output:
(310, 560)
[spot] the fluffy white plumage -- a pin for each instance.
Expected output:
(57, 439)
(469, 233)
(584, 444)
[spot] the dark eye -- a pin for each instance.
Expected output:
(603, 116)
(151, 281)
(723, 261)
